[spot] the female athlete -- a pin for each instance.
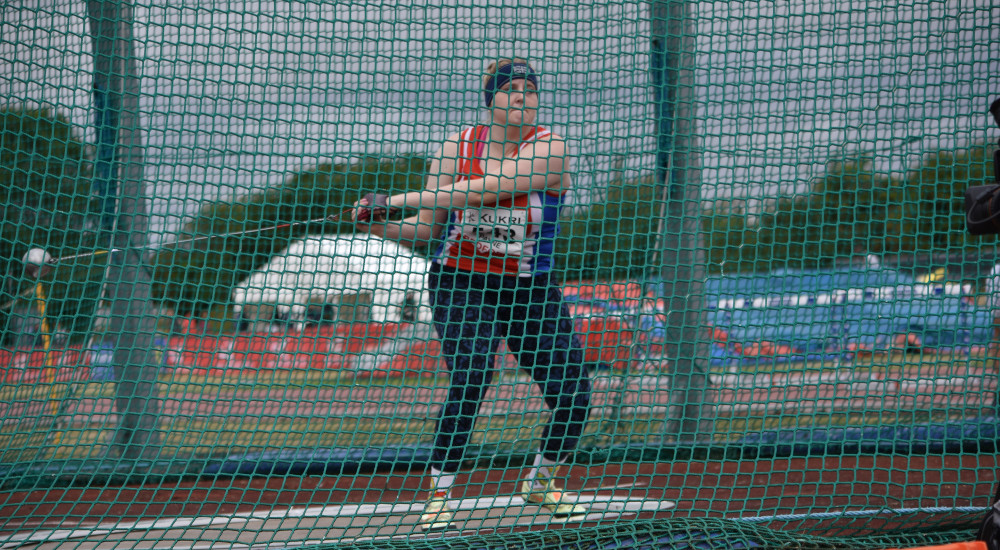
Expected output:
(494, 193)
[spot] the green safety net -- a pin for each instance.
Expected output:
(760, 323)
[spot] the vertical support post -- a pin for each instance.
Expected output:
(124, 222)
(48, 369)
(682, 257)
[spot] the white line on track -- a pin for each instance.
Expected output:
(609, 504)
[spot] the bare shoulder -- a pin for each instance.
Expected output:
(449, 148)
(443, 165)
(546, 134)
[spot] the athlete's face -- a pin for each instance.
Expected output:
(516, 103)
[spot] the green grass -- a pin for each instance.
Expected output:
(66, 436)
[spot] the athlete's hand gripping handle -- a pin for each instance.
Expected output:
(373, 208)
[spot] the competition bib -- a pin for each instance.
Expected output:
(496, 230)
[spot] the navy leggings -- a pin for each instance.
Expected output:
(473, 312)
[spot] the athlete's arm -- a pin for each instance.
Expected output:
(540, 166)
(428, 222)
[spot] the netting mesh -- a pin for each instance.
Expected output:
(698, 273)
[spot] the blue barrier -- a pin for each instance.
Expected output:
(808, 312)
(974, 435)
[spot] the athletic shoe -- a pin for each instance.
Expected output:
(551, 498)
(437, 515)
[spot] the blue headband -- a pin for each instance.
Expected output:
(503, 75)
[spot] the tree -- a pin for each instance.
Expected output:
(45, 178)
(614, 238)
(842, 214)
(731, 239)
(931, 219)
(193, 279)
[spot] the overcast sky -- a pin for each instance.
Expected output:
(237, 95)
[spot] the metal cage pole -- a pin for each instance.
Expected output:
(124, 222)
(682, 257)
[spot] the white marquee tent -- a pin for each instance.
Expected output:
(325, 270)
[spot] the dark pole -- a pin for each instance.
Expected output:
(682, 258)
(121, 189)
